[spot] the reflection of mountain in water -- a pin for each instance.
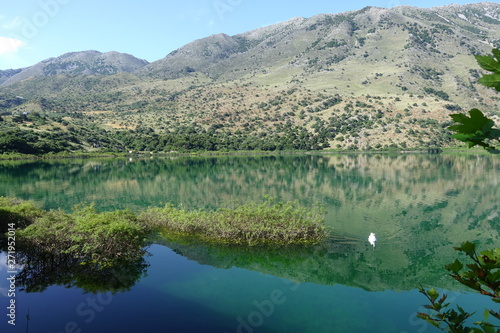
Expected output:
(339, 261)
(419, 205)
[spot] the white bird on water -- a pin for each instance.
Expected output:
(372, 239)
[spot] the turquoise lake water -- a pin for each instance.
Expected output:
(419, 206)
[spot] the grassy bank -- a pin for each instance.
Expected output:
(75, 155)
(63, 155)
(104, 238)
(253, 223)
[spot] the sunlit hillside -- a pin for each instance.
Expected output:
(368, 79)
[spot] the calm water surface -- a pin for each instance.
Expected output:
(420, 206)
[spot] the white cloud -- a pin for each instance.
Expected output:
(9, 45)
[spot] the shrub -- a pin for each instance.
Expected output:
(252, 223)
(18, 212)
(92, 237)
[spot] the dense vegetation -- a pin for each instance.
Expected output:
(109, 238)
(92, 237)
(20, 212)
(251, 224)
(388, 80)
(478, 130)
(192, 138)
(97, 252)
(320, 122)
(89, 236)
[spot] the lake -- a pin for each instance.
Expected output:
(419, 206)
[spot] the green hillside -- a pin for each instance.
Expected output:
(369, 79)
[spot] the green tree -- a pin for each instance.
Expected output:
(10, 142)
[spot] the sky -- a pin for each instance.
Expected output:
(34, 30)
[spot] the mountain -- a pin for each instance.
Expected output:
(77, 63)
(6, 74)
(374, 77)
(339, 39)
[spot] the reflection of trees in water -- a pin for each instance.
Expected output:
(208, 181)
(41, 270)
(363, 190)
(364, 181)
(345, 261)
(419, 205)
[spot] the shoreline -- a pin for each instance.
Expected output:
(84, 155)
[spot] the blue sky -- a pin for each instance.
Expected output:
(34, 30)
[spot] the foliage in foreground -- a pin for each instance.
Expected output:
(483, 276)
(477, 130)
(97, 252)
(253, 223)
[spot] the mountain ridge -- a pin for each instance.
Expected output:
(373, 77)
(221, 46)
(83, 63)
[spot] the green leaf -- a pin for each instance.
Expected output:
(474, 130)
(459, 118)
(495, 133)
(496, 53)
(488, 63)
(473, 139)
(470, 125)
(428, 319)
(455, 267)
(486, 314)
(467, 247)
(433, 294)
(492, 80)
(487, 328)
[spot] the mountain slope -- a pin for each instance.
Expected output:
(328, 41)
(370, 78)
(80, 63)
(6, 74)
(370, 51)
